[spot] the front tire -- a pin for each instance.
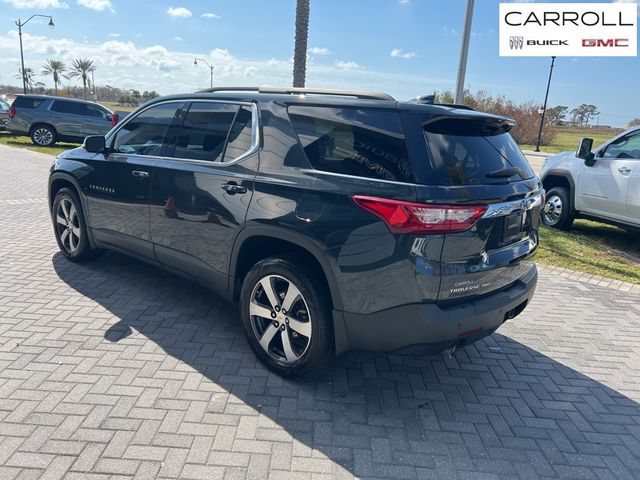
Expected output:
(43, 135)
(285, 317)
(70, 227)
(557, 209)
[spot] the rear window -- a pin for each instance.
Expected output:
(354, 141)
(27, 102)
(474, 155)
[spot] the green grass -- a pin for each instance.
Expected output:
(25, 142)
(567, 139)
(114, 106)
(593, 248)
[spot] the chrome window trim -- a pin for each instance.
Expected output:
(356, 177)
(255, 133)
(505, 208)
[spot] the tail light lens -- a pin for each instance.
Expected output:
(421, 218)
(12, 112)
(114, 119)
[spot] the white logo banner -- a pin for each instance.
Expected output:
(568, 29)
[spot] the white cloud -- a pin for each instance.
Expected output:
(178, 39)
(39, 4)
(397, 53)
(99, 5)
(404, 3)
(346, 65)
(179, 12)
(115, 35)
(320, 51)
(210, 15)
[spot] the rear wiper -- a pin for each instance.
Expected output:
(505, 173)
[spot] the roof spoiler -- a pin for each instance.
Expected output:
(430, 100)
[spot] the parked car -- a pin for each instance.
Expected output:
(4, 114)
(336, 220)
(48, 119)
(602, 185)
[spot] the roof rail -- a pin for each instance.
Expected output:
(299, 91)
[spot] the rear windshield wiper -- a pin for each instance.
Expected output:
(505, 173)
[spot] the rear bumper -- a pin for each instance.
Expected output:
(430, 328)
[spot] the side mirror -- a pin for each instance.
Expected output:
(94, 144)
(584, 151)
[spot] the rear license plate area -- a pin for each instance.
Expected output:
(515, 228)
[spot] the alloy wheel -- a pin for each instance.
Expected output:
(552, 210)
(68, 225)
(280, 319)
(43, 136)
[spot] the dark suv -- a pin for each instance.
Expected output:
(49, 119)
(337, 220)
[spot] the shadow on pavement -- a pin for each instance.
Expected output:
(495, 408)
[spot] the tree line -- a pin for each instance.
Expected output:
(82, 70)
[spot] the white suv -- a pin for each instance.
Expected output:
(603, 184)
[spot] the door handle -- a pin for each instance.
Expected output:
(140, 174)
(232, 188)
(624, 170)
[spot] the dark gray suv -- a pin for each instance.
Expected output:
(336, 220)
(49, 119)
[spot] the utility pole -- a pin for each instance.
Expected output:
(195, 62)
(544, 107)
(464, 51)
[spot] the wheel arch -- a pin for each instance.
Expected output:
(258, 242)
(35, 125)
(561, 179)
(60, 180)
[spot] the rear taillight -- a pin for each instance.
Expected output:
(421, 218)
(12, 112)
(114, 119)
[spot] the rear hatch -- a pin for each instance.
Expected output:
(469, 158)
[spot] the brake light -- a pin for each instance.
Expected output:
(12, 112)
(421, 218)
(114, 119)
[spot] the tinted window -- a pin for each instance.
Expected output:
(74, 108)
(240, 136)
(204, 131)
(96, 112)
(145, 133)
(466, 157)
(354, 141)
(625, 147)
(27, 102)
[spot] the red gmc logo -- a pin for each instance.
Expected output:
(601, 42)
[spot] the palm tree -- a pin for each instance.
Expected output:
(55, 68)
(82, 68)
(300, 49)
(28, 77)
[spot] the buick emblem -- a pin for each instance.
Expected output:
(516, 42)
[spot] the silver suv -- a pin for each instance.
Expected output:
(50, 119)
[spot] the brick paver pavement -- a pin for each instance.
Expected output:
(113, 369)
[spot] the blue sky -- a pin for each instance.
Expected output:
(403, 47)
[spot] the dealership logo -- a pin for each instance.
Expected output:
(568, 29)
(601, 42)
(515, 43)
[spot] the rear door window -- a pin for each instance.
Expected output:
(471, 153)
(240, 136)
(204, 131)
(73, 108)
(363, 142)
(146, 133)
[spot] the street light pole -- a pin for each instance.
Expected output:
(464, 51)
(195, 62)
(544, 107)
(20, 25)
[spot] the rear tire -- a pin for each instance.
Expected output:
(557, 209)
(285, 317)
(43, 135)
(70, 227)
